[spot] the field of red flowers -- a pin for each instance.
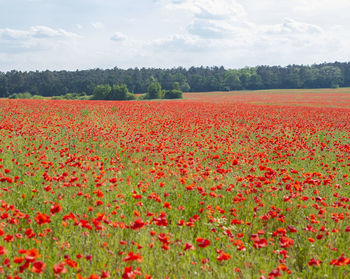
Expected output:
(213, 186)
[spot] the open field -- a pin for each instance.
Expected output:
(227, 185)
(294, 97)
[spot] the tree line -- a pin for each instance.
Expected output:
(194, 79)
(116, 92)
(121, 92)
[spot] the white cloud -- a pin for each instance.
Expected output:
(291, 36)
(227, 22)
(178, 43)
(35, 32)
(212, 19)
(36, 38)
(317, 5)
(13, 34)
(231, 43)
(97, 25)
(209, 9)
(220, 29)
(47, 32)
(291, 26)
(118, 37)
(168, 33)
(208, 29)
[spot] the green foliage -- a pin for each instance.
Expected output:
(72, 96)
(24, 95)
(141, 97)
(38, 97)
(185, 87)
(154, 90)
(173, 94)
(176, 85)
(119, 92)
(130, 96)
(102, 92)
(99, 82)
(332, 76)
(116, 92)
(231, 80)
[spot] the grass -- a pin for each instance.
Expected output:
(135, 182)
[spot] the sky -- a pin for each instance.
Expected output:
(87, 34)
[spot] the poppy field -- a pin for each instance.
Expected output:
(224, 185)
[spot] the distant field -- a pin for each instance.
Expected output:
(248, 184)
(309, 97)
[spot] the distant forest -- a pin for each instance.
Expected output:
(195, 79)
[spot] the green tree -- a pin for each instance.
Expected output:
(119, 92)
(173, 94)
(181, 79)
(231, 80)
(154, 89)
(176, 85)
(102, 92)
(291, 77)
(197, 82)
(244, 77)
(308, 76)
(332, 76)
(3, 85)
(255, 82)
(185, 86)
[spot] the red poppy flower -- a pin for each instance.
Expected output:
(286, 242)
(132, 257)
(189, 246)
(260, 243)
(2, 250)
(138, 224)
(223, 257)
(129, 273)
(202, 242)
(59, 268)
(340, 261)
(42, 218)
(314, 262)
(38, 267)
(55, 208)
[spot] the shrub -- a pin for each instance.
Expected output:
(102, 92)
(154, 90)
(173, 94)
(116, 92)
(24, 95)
(130, 96)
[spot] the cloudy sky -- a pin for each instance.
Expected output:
(84, 34)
